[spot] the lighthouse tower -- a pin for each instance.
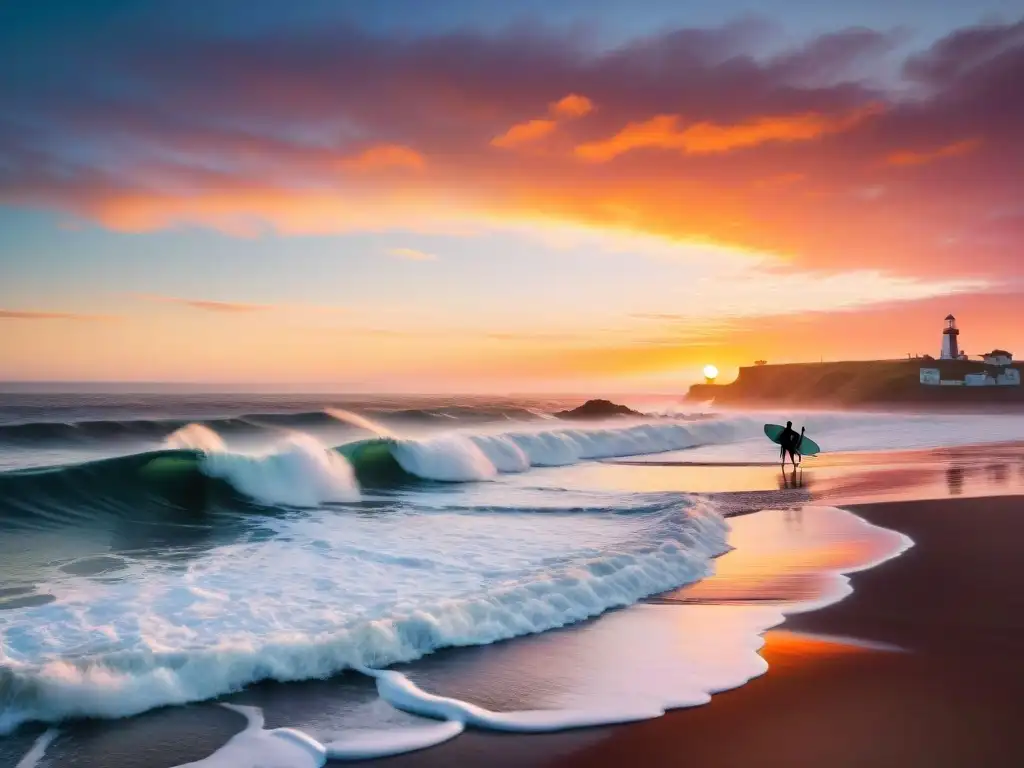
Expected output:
(950, 347)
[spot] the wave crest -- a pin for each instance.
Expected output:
(300, 472)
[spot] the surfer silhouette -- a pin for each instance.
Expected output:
(790, 441)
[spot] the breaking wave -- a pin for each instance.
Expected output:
(670, 546)
(300, 471)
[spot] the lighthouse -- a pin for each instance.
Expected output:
(950, 347)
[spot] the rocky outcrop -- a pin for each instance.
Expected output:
(598, 409)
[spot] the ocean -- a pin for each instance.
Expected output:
(159, 549)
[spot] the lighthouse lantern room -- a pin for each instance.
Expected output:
(950, 343)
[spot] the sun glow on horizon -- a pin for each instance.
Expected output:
(710, 372)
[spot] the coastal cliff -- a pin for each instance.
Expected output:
(856, 384)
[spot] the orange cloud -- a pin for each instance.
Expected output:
(571, 106)
(663, 132)
(956, 149)
(659, 131)
(252, 210)
(385, 156)
(662, 196)
(567, 108)
(523, 133)
(465, 188)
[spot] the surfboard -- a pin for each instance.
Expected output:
(807, 448)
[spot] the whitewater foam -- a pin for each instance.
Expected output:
(448, 458)
(503, 453)
(255, 747)
(399, 691)
(258, 747)
(365, 744)
(482, 455)
(299, 472)
(333, 592)
(689, 653)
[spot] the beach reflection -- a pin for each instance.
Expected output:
(793, 479)
(898, 476)
(649, 477)
(785, 557)
(794, 650)
(955, 477)
(835, 479)
(794, 518)
(999, 474)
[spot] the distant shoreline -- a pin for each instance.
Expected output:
(889, 384)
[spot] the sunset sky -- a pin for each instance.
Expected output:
(467, 195)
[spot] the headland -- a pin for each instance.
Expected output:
(863, 384)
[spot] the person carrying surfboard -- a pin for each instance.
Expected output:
(790, 441)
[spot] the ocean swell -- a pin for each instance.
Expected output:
(75, 431)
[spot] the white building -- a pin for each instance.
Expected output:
(979, 380)
(998, 357)
(1010, 377)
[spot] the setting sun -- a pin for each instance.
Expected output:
(710, 372)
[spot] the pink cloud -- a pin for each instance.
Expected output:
(336, 130)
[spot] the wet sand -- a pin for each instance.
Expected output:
(841, 479)
(955, 604)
